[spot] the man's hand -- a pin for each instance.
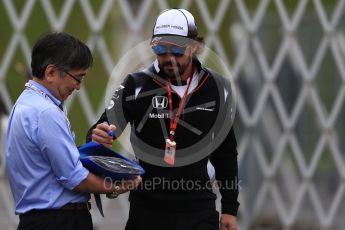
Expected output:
(125, 186)
(131, 184)
(100, 134)
(228, 222)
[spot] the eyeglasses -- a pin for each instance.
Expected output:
(79, 80)
(177, 51)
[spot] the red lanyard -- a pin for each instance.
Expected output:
(174, 122)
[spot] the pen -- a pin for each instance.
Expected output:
(110, 132)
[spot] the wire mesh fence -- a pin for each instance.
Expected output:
(287, 61)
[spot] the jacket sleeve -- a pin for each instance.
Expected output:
(224, 160)
(103, 118)
(120, 108)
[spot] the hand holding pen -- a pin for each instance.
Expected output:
(104, 134)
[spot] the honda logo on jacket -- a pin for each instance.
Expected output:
(159, 102)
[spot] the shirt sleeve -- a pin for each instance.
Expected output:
(58, 147)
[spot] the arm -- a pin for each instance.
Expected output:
(118, 113)
(95, 184)
(58, 148)
(224, 160)
(63, 156)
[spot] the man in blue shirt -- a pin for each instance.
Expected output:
(49, 184)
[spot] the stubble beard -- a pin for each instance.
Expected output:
(176, 73)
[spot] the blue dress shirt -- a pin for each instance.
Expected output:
(43, 163)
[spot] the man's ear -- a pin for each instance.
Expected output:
(193, 49)
(51, 72)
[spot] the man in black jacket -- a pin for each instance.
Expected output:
(180, 114)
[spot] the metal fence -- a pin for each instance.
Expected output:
(287, 59)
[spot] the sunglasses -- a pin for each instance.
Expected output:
(176, 51)
(78, 80)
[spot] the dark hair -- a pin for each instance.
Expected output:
(200, 43)
(62, 50)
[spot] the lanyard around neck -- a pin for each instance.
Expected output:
(34, 88)
(174, 121)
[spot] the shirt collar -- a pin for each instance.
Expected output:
(46, 91)
(156, 66)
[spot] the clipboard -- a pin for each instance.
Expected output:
(107, 163)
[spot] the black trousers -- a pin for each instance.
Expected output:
(147, 218)
(56, 219)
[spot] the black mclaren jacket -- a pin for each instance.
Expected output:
(204, 126)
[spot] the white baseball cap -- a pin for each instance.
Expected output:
(174, 22)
